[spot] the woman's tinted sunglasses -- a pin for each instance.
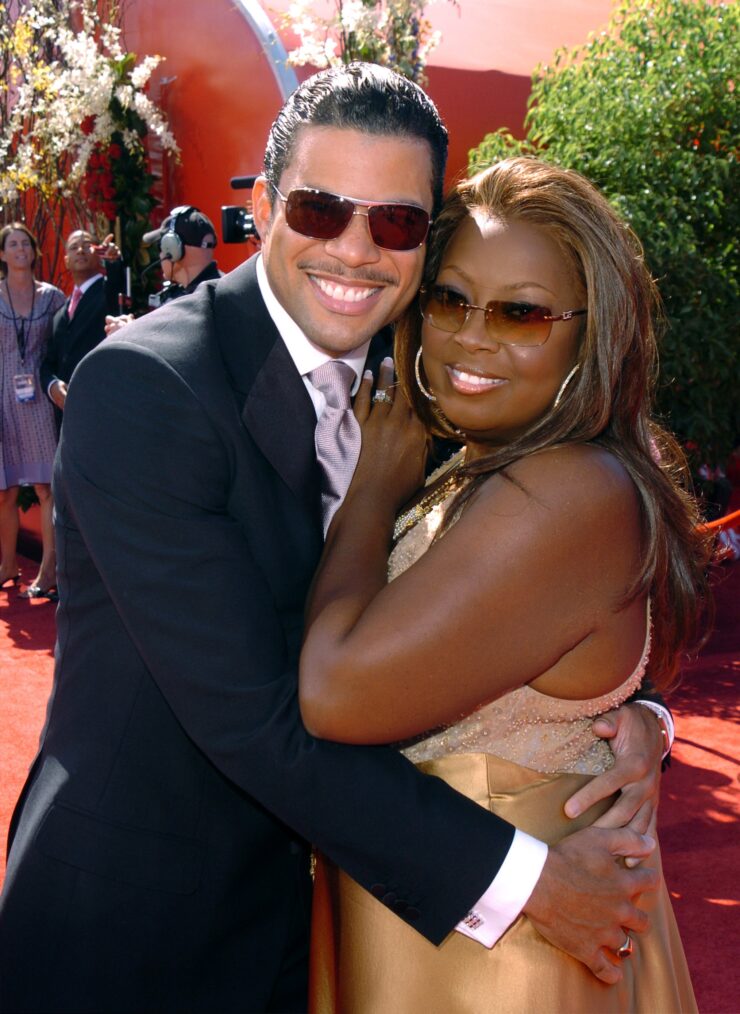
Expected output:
(506, 322)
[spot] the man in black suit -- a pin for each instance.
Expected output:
(80, 324)
(159, 857)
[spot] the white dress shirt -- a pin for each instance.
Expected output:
(303, 352)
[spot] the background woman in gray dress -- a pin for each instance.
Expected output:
(27, 433)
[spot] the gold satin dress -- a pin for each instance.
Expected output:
(522, 757)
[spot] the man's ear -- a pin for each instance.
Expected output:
(261, 206)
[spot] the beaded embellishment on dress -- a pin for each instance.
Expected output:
(548, 734)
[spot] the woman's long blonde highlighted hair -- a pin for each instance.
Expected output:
(608, 401)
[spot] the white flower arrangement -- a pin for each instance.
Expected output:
(394, 33)
(58, 110)
(76, 121)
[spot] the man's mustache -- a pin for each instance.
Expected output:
(365, 276)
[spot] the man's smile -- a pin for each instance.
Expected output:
(343, 293)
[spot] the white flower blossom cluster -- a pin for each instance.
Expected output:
(362, 30)
(61, 109)
(317, 47)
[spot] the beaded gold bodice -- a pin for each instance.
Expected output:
(541, 732)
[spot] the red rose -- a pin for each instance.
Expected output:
(115, 150)
(88, 125)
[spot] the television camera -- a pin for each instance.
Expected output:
(237, 221)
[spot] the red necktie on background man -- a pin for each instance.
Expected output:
(74, 301)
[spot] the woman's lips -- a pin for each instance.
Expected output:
(466, 381)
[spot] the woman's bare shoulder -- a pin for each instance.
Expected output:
(586, 468)
(582, 481)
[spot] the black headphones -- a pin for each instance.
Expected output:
(171, 247)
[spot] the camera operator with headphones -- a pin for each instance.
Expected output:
(186, 241)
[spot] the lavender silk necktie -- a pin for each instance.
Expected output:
(338, 437)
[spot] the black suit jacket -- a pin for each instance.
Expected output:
(153, 865)
(71, 340)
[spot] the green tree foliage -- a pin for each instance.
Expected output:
(647, 111)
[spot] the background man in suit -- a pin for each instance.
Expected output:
(186, 241)
(80, 324)
(158, 857)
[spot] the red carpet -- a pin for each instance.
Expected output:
(700, 807)
(701, 849)
(26, 666)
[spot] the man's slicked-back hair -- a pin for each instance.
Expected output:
(364, 97)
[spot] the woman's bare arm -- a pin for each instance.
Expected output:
(523, 581)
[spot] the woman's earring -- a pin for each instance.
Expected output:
(563, 386)
(417, 374)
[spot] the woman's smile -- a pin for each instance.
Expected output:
(466, 380)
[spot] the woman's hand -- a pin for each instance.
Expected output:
(394, 441)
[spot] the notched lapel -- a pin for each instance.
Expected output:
(280, 416)
(276, 407)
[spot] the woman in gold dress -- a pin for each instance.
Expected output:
(532, 582)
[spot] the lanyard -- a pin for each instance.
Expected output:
(19, 323)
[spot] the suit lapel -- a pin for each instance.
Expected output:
(275, 406)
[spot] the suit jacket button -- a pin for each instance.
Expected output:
(411, 914)
(399, 906)
(389, 898)
(378, 890)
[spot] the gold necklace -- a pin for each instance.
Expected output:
(406, 521)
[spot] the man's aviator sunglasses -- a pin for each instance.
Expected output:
(321, 215)
(506, 322)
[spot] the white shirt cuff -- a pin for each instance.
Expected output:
(666, 718)
(509, 892)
